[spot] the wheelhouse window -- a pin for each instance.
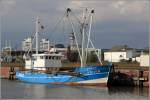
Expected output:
(56, 58)
(59, 58)
(41, 57)
(47, 57)
(34, 58)
(50, 57)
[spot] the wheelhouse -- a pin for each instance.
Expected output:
(43, 61)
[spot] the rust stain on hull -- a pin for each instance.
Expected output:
(81, 84)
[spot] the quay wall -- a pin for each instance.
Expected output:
(4, 71)
(135, 74)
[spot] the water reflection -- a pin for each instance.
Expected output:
(19, 90)
(129, 90)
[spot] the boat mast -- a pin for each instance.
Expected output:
(72, 25)
(89, 34)
(89, 40)
(83, 37)
(84, 45)
(37, 35)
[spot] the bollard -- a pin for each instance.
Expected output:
(141, 79)
(11, 73)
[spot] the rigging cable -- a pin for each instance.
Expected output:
(56, 25)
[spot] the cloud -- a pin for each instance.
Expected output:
(115, 9)
(130, 6)
(119, 5)
(111, 16)
(76, 4)
(6, 6)
(119, 17)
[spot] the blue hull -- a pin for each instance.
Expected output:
(86, 75)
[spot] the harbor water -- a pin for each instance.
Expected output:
(20, 90)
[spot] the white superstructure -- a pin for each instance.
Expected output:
(43, 61)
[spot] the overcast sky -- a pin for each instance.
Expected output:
(116, 22)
